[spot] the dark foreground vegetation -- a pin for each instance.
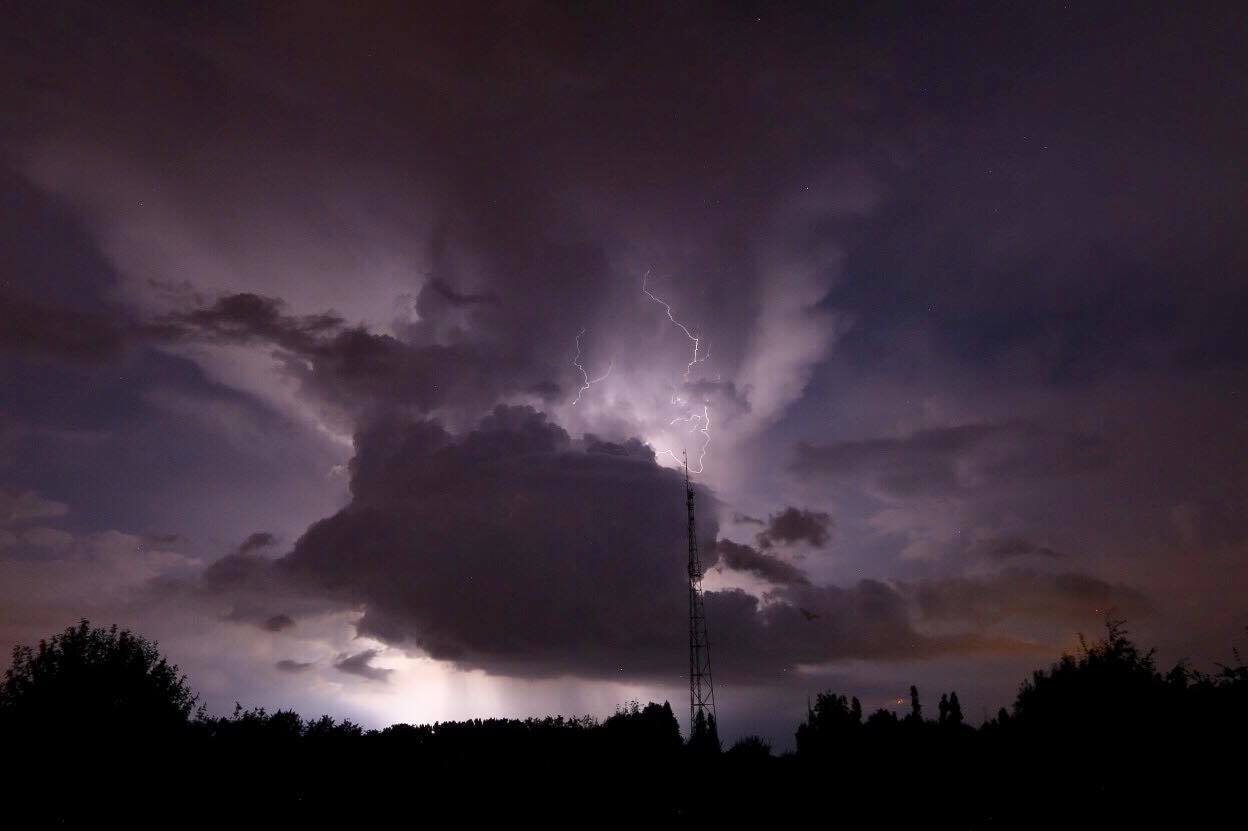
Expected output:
(97, 729)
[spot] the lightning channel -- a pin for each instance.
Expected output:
(698, 422)
(586, 381)
(697, 342)
(694, 420)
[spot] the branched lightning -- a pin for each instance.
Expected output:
(587, 382)
(697, 342)
(704, 419)
(698, 422)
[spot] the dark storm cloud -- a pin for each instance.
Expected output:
(1008, 548)
(351, 367)
(247, 318)
(361, 664)
(287, 665)
(520, 550)
(453, 297)
(511, 547)
(248, 589)
(794, 525)
(278, 623)
(256, 541)
(952, 460)
(760, 564)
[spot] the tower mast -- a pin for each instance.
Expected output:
(701, 687)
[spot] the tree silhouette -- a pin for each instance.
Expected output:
(89, 680)
(704, 738)
(830, 722)
(955, 710)
(1109, 687)
(882, 721)
(652, 729)
(1101, 736)
(916, 709)
(950, 711)
(108, 714)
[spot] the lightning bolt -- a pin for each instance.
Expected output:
(586, 381)
(693, 421)
(698, 422)
(697, 342)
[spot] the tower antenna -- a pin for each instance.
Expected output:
(701, 686)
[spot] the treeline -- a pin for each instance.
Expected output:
(1101, 739)
(96, 726)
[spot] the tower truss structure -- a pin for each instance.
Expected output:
(701, 685)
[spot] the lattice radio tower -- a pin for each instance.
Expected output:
(701, 687)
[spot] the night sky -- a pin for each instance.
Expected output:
(348, 349)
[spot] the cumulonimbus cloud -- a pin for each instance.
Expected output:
(524, 551)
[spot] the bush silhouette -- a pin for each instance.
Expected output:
(1110, 686)
(750, 749)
